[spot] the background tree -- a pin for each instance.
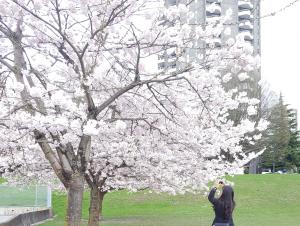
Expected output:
(268, 98)
(278, 136)
(292, 155)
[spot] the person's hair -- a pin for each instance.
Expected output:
(226, 200)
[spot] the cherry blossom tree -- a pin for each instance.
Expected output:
(81, 98)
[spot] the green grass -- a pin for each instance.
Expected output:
(262, 200)
(2, 180)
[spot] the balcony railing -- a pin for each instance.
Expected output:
(245, 5)
(247, 25)
(245, 15)
(247, 35)
(214, 1)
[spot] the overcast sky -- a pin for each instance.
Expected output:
(281, 49)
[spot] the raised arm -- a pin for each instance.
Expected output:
(211, 196)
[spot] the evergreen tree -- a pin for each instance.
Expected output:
(277, 136)
(292, 155)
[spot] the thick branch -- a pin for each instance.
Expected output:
(84, 151)
(50, 156)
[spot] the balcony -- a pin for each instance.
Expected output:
(212, 20)
(247, 36)
(214, 1)
(162, 66)
(245, 5)
(209, 15)
(167, 65)
(251, 42)
(213, 10)
(171, 2)
(172, 65)
(214, 43)
(245, 15)
(246, 25)
(241, 30)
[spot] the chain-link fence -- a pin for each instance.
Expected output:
(29, 196)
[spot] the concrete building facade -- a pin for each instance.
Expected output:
(245, 20)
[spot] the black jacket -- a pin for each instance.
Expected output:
(219, 210)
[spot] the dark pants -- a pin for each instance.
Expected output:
(221, 224)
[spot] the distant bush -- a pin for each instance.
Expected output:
(2, 180)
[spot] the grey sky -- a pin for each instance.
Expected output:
(281, 49)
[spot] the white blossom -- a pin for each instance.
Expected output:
(243, 76)
(147, 129)
(251, 110)
(91, 128)
(120, 125)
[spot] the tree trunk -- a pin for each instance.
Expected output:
(253, 166)
(75, 197)
(273, 163)
(96, 199)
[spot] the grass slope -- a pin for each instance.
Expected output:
(262, 200)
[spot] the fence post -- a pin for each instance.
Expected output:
(36, 195)
(49, 197)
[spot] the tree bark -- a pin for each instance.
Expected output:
(253, 166)
(95, 210)
(75, 197)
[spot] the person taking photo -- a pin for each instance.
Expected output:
(223, 206)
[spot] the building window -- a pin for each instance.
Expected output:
(171, 2)
(241, 29)
(161, 57)
(245, 5)
(214, 14)
(249, 41)
(161, 66)
(173, 65)
(245, 15)
(218, 2)
(173, 55)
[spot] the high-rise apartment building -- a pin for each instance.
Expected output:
(245, 20)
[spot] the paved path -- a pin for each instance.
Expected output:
(5, 218)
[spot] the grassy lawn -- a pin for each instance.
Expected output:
(262, 200)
